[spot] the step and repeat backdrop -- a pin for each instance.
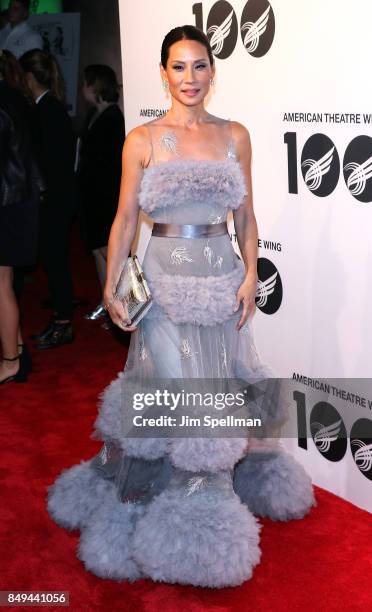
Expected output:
(297, 75)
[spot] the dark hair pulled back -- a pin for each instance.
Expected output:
(185, 32)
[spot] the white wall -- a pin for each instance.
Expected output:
(318, 63)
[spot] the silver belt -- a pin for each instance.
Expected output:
(173, 230)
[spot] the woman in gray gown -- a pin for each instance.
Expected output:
(181, 508)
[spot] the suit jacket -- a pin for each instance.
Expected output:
(100, 174)
(55, 143)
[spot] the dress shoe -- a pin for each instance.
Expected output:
(46, 332)
(97, 313)
(20, 376)
(62, 333)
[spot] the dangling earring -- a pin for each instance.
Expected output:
(165, 85)
(212, 81)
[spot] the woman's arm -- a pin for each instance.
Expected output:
(246, 226)
(136, 150)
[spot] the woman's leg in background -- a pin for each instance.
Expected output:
(9, 323)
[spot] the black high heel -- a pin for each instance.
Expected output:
(20, 376)
(26, 357)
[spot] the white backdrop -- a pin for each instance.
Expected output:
(308, 76)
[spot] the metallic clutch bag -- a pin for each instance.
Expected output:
(132, 289)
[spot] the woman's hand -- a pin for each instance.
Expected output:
(246, 294)
(119, 314)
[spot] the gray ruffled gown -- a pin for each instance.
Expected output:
(180, 509)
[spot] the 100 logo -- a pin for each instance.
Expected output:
(257, 27)
(320, 165)
(329, 434)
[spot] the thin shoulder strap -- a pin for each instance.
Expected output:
(152, 157)
(231, 152)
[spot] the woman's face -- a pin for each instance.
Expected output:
(188, 72)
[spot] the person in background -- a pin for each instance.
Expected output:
(3, 20)
(19, 208)
(18, 36)
(56, 153)
(99, 172)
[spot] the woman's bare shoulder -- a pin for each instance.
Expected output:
(141, 133)
(138, 135)
(239, 130)
(157, 122)
(137, 144)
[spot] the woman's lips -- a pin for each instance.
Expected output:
(191, 92)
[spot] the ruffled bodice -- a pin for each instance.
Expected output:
(191, 190)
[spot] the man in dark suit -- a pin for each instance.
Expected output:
(56, 153)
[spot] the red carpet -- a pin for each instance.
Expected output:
(323, 562)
